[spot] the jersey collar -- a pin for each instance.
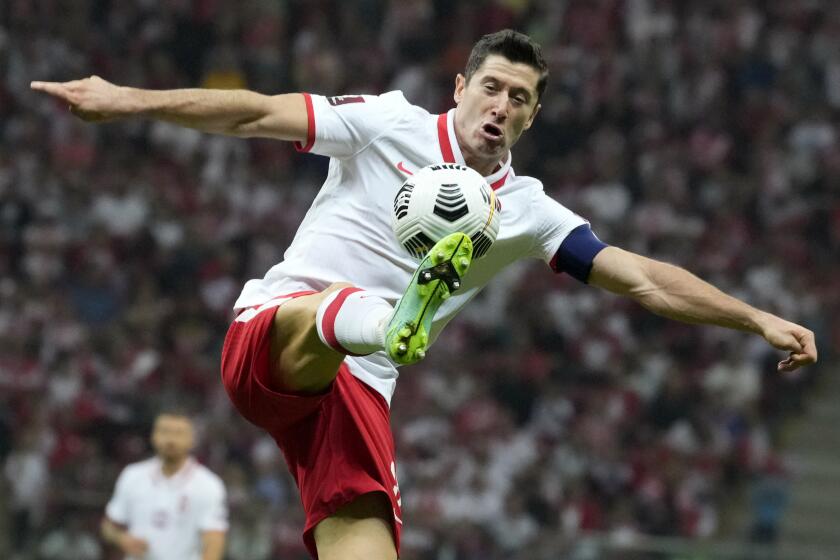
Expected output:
(451, 151)
(181, 474)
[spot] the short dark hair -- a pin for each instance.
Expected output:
(514, 46)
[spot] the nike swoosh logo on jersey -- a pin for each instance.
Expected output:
(401, 166)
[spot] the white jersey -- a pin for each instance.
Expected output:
(375, 143)
(170, 513)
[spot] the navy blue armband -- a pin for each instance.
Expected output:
(576, 252)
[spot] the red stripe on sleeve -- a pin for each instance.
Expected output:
(443, 138)
(328, 321)
(310, 133)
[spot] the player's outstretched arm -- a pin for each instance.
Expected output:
(232, 112)
(675, 293)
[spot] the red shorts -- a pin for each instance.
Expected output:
(338, 444)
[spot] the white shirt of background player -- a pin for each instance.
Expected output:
(180, 515)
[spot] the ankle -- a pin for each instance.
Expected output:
(352, 321)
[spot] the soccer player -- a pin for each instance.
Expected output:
(311, 356)
(168, 507)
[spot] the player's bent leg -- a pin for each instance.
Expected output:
(301, 363)
(437, 276)
(311, 334)
(360, 530)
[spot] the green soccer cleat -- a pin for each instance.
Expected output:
(440, 274)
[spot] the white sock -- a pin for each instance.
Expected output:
(352, 321)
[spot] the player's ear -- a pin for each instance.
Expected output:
(460, 84)
(530, 120)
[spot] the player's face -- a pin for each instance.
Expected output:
(494, 108)
(172, 437)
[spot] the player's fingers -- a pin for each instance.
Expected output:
(787, 365)
(795, 361)
(809, 345)
(89, 116)
(53, 88)
(796, 344)
(785, 341)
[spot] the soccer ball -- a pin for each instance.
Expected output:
(441, 199)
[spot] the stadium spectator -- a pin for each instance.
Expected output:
(70, 540)
(27, 476)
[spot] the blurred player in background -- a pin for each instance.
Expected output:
(310, 356)
(168, 507)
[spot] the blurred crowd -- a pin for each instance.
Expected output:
(704, 133)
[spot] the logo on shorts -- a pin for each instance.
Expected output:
(396, 491)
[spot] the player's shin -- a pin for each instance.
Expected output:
(352, 321)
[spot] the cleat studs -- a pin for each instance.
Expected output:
(404, 332)
(427, 276)
(456, 284)
(420, 353)
(441, 255)
(402, 348)
(464, 261)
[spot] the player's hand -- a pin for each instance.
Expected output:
(796, 339)
(133, 546)
(91, 99)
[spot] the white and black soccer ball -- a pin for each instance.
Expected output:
(441, 199)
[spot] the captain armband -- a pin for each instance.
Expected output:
(576, 253)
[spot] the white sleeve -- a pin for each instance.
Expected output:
(552, 223)
(119, 506)
(215, 514)
(344, 125)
